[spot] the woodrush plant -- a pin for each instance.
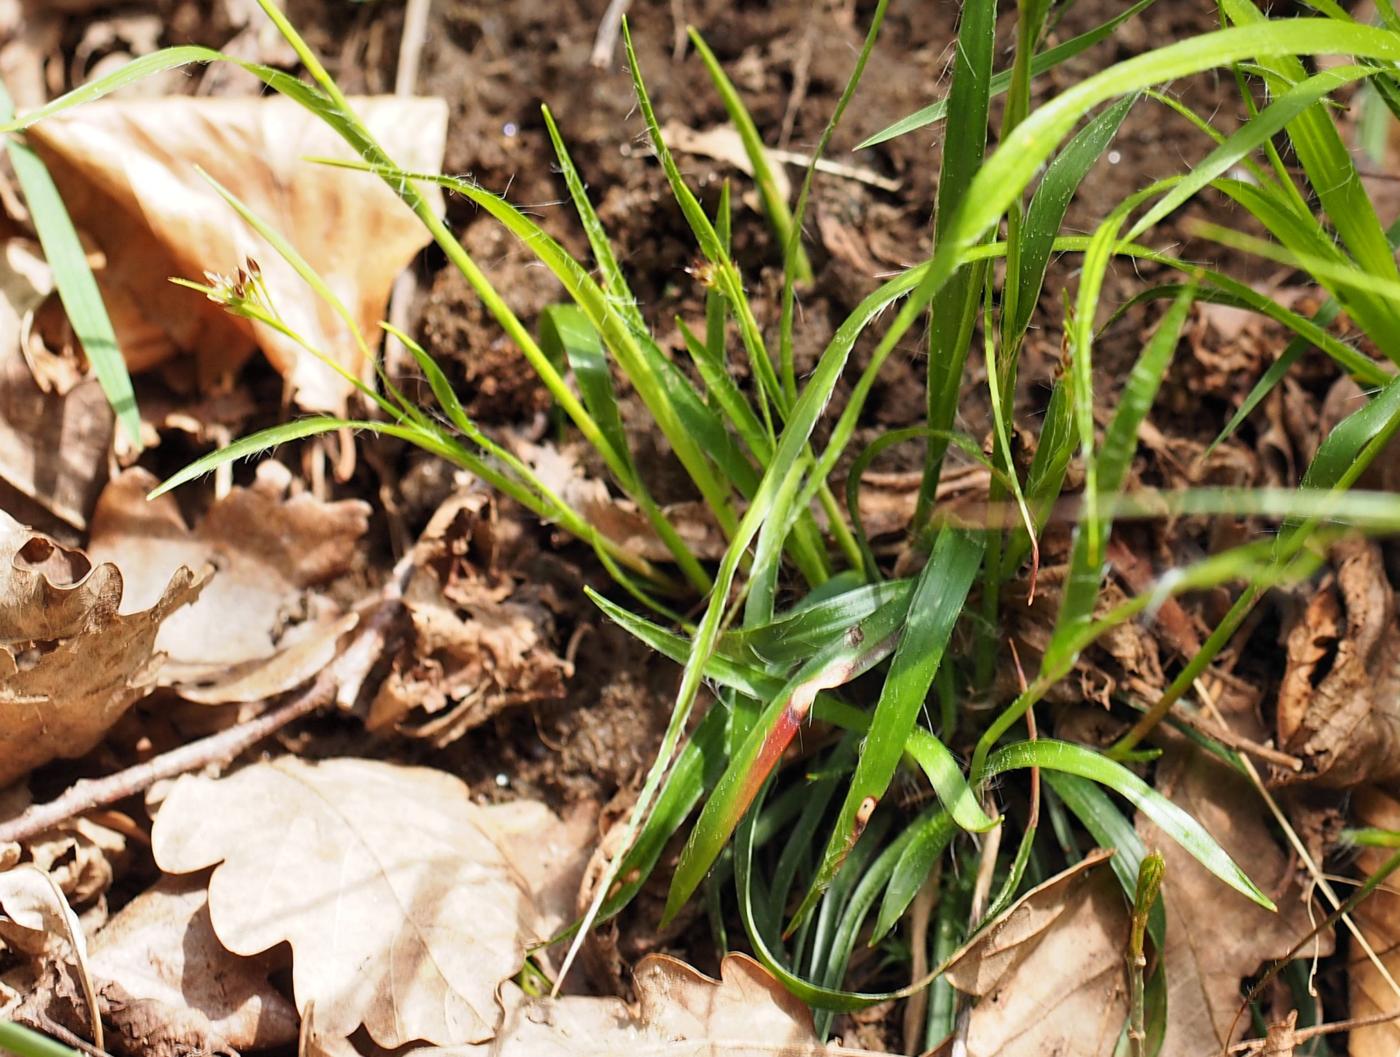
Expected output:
(776, 670)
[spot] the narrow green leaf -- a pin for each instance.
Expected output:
(779, 218)
(77, 289)
(937, 601)
(1001, 81)
(1172, 820)
(863, 646)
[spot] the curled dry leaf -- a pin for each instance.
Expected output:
(129, 173)
(1343, 718)
(402, 910)
(38, 922)
(481, 641)
(70, 662)
(268, 551)
(1049, 973)
(1379, 919)
(679, 1011)
(169, 986)
(1216, 937)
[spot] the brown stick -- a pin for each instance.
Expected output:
(350, 666)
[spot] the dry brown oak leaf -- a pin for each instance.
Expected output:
(680, 1012)
(403, 911)
(268, 551)
(170, 988)
(1379, 919)
(1215, 936)
(1049, 974)
(71, 663)
(130, 173)
(1345, 724)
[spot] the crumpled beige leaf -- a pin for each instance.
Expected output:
(679, 1011)
(70, 663)
(402, 910)
(268, 551)
(128, 172)
(1049, 974)
(171, 987)
(1344, 725)
(481, 641)
(1379, 920)
(1216, 937)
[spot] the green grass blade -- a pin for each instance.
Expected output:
(567, 335)
(1046, 211)
(1046, 60)
(1248, 138)
(1106, 824)
(799, 633)
(937, 600)
(930, 833)
(1120, 443)
(1172, 820)
(26, 1042)
(779, 218)
(851, 654)
(77, 289)
(954, 307)
(726, 275)
(1328, 163)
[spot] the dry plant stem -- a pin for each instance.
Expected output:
(349, 668)
(981, 892)
(605, 43)
(42, 1023)
(917, 1005)
(1304, 1034)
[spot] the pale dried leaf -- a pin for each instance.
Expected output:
(128, 171)
(180, 990)
(402, 911)
(1379, 919)
(680, 1012)
(1049, 974)
(268, 552)
(70, 663)
(1216, 937)
(38, 921)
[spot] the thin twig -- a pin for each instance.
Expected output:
(350, 667)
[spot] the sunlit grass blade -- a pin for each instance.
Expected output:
(26, 1042)
(954, 306)
(1170, 819)
(726, 276)
(1106, 824)
(1001, 81)
(73, 278)
(776, 209)
(937, 600)
(1113, 459)
(1330, 170)
(567, 335)
(1046, 212)
(797, 634)
(1248, 138)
